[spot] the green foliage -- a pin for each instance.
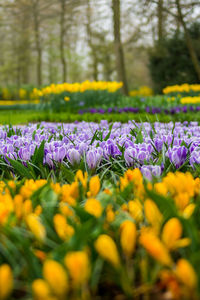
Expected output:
(170, 61)
(78, 100)
(22, 117)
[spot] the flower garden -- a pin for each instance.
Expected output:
(105, 206)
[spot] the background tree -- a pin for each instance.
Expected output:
(120, 63)
(45, 41)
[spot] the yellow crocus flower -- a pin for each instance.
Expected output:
(185, 273)
(128, 237)
(171, 235)
(155, 247)
(110, 214)
(136, 210)
(82, 178)
(64, 230)
(94, 186)
(93, 207)
(41, 289)
(107, 249)
(188, 211)
(77, 263)
(56, 276)
(34, 224)
(153, 215)
(6, 281)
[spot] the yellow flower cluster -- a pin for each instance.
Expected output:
(72, 228)
(110, 86)
(190, 100)
(171, 99)
(183, 88)
(21, 94)
(17, 102)
(142, 91)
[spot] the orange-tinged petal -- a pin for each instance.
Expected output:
(171, 232)
(155, 248)
(185, 273)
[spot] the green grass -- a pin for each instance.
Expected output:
(25, 116)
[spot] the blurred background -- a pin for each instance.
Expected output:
(148, 42)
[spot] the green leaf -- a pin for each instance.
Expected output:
(38, 155)
(20, 168)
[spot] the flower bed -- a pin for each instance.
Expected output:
(148, 109)
(38, 149)
(92, 238)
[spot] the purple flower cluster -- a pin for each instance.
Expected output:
(148, 109)
(147, 146)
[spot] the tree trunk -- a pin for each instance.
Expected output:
(91, 45)
(160, 20)
(62, 41)
(188, 40)
(25, 46)
(38, 45)
(120, 64)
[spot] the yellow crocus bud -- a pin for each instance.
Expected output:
(41, 289)
(171, 235)
(110, 215)
(4, 213)
(27, 207)
(65, 209)
(94, 186)
(172, 232)
(107, 249)
(188, 211)
(155, 247)
(182, 200)
(6, 281)
(152, 213)
(128, 237)
(64, 230)
(38, 210)
(36, 227)
(161, 188)
(78, 266)
(12, 184)
(136, 210)
(74, 190)
(55, 275)
(93, 207)
(185, 273)
(18, 204)
(123, 183)
(82, 178)
(124, 207)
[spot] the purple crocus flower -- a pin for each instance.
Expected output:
(158, 144)
(146, 172)
(93, 159)
(74, 156)
(49, 160)
(130, 154)
(24, 154)
(178, 155)
(149, 171)
(195, 158)
(59, 154)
